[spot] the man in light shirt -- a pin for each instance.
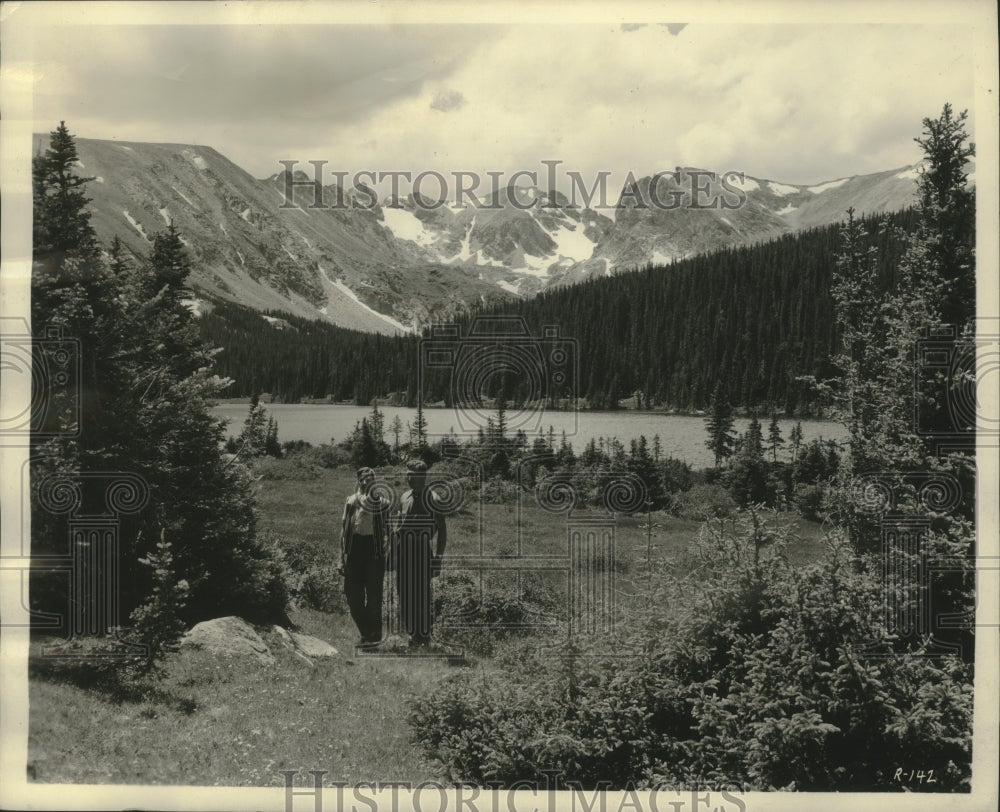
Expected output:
(363, 541)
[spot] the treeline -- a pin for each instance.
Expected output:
(298, 358)
(755, 317)
(758, 317)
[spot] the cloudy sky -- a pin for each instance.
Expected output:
(799, 103)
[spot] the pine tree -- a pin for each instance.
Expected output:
(271, 445)
(396, 427)
(170, 264)
(947, 210)
(252, 439)
(875, 394)
(774, 441)
(795, 437)
(753, 440)
(719, 425)
(376, 422)
(147, 387)
(420, 427)
(364, 451)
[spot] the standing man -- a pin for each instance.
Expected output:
(420, 523)
(363, 539)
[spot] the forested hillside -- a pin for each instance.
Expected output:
(755, 317)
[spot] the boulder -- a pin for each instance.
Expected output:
(229, 637)
(305, 647)
(312, 646)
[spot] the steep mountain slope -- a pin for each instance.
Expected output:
(339, 265)
(402, 264)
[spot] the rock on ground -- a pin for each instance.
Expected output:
(304, 646)
(228, 637)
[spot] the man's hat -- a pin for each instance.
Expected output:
(415, 466)
(365, 471)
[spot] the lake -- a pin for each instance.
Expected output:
(681, 436)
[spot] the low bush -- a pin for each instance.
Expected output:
(480, 615)
(744, 671)
(705, 501)
(810, 500)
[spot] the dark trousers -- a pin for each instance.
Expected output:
(413, 583)
(363, 574)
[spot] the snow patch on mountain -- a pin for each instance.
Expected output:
(464, 253)
(507, 286)
(99, 179)
(481, 260)
(195, 158)
(281, 324)
(245, 214)
(833, 184)
(194, 305)
(165, 214)
(787, 210)
(350, 294)
(405, 225)
(572, 243)
(184, 197)
(781, 189)
(658, 258)
(748, 184)
(911, 173)
(136, 225)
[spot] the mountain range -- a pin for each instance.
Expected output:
(398, 264)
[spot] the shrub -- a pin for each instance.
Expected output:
(705, 502)
(499, 491)
(747, 671)
(486, 614)
(311, 575)
(810, 500)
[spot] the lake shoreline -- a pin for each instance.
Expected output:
(440, 406)
(680, 436)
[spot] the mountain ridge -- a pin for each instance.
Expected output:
(397, 264)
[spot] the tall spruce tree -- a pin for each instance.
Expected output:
(875, 394)
(774, 441)
(146, 390)
(719, 424)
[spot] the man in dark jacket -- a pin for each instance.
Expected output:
(363, 540)
(420, 522)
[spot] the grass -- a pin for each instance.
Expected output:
(212, 721)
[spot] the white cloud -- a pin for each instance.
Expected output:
(794, 103)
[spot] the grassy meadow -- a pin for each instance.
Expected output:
(212, 721)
